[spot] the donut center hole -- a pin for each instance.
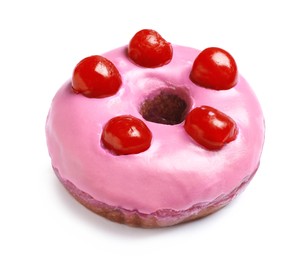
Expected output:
(167, 107)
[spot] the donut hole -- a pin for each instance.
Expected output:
(166, 106)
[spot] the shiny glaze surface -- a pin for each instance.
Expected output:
(175, 172)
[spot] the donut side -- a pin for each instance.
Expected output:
(157, 219)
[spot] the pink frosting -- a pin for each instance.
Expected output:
(175, 172)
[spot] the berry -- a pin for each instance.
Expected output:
(210, 127)
(126, 135)
(148, 49)
(214, 68)
(96, 77)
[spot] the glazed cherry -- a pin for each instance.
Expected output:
(126, 135)
(96, 77)
(149, 49)
(210, 127)
(214, 68)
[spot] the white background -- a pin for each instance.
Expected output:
(41, 41)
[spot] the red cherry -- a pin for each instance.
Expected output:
(210, 127)
(126, 135)
(96, 77)
(214, 68)
(148, 49)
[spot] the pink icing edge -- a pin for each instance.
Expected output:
(185, 192)
(159, 218)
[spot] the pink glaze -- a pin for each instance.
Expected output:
(175, 172)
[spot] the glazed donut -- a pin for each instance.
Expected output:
(153, 134)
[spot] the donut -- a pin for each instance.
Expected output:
(153, 134)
